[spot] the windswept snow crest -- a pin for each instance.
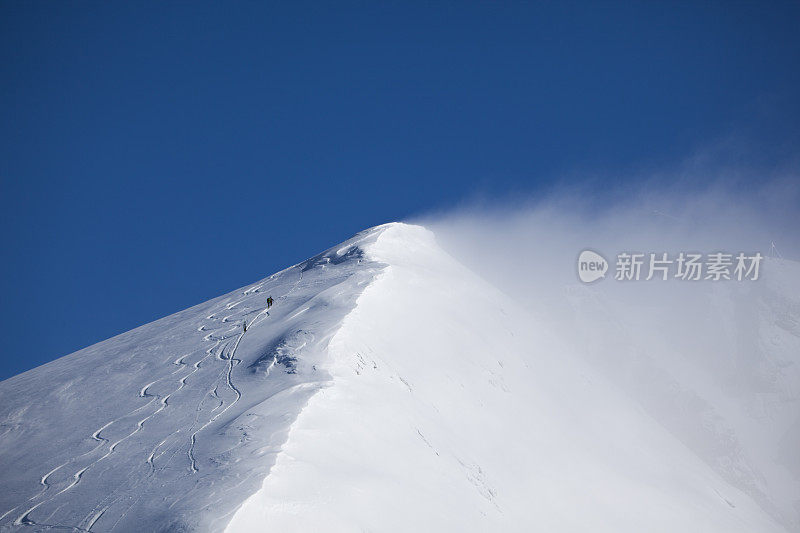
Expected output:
(170, 427)
(388, 389)
(452, 409)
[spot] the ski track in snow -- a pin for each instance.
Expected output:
(232, 362)
(181, 459)
(263, 315)
(108, 474)
(221, 350)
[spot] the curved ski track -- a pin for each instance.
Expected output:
(218, 350)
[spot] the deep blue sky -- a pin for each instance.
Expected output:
(155, 155)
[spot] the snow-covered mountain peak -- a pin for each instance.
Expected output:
(388, 388)
(172, 425)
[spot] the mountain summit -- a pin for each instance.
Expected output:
(388, 388)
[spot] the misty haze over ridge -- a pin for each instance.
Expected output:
(715, 363)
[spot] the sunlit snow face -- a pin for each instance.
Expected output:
(681, 300)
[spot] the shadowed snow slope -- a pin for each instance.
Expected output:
(388, 389)
(170, 427)
(452, 410)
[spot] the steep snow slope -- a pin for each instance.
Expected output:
(715, 363)
(718, 365)
(170, 426)
(389, 389)
(451, 409)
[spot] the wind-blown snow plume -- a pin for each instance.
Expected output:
(391, 388)
(716, 363)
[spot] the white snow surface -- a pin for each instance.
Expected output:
(389, 389)
(169, 427)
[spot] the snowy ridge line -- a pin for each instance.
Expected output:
(138, 463)
(263, 314)
(468, 373)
